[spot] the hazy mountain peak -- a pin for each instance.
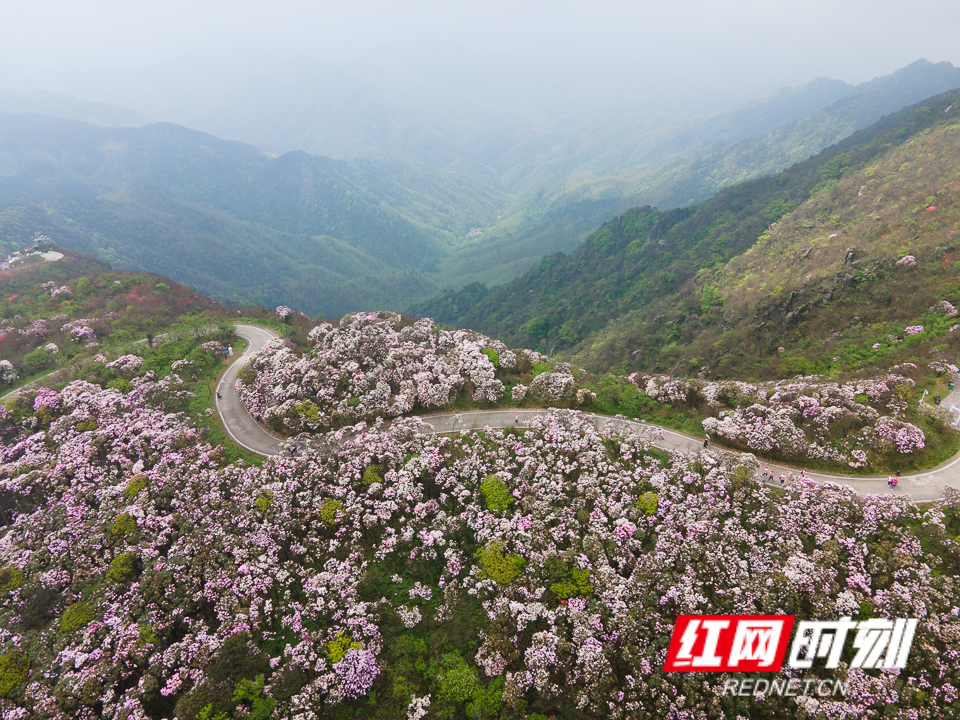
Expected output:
(70, 108)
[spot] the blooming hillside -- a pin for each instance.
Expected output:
(493, 575)
(52, 314)
(376, 365)
(855, 423)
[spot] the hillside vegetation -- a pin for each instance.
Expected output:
(231, 221)
(805, 260)
(332, 236)
(631, 159)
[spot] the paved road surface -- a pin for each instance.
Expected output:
(924, 486)
(244, 430)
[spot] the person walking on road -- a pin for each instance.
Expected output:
(706, 441)
(803, 474)
(783, 477)
(516, 419)
(766, 473)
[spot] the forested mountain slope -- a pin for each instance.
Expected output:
(697, 178)
(230, 220)
(713, 289)
(627, 160)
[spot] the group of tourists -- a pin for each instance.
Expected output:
(769, 474)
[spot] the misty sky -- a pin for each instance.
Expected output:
(526, 56)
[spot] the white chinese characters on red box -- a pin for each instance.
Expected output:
(758, 643)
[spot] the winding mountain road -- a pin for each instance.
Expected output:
(920, 487)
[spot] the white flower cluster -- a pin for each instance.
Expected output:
(370, 365)
(553, 386)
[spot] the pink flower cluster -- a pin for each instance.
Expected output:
(907, 261)
(176, 555)
(945, 307)
(805, 418)
(126, 364)
(371, 365)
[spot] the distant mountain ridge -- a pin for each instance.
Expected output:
(804, 260)
(230, 220)
(70, 108)
(333, 236)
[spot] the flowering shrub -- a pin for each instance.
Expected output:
(367, 367)
(576, 583)
(46, 398)
(551, 387)
(806, 418)
(907, 261)
(126, 363)
(942, 367)
(83, 332)
(54, 291)
(902, 436)
(283, 312)
(944, 307)
(212, 346)
(518, 393)
(912, 330)
(7, 372)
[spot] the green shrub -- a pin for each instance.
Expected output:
(264, 501)
(486, 703)
(576, 583)
(373, 474)
(86, 425)
(146, 635)
(38, 360)
(492, 355)
(14, 667)
(353, 402)
(10, 578)
(537, 328)
(138, 483)
(328, 511)
(123, 525)
(457, 682)
(309, 410)
(120, 384)
(539, 367)
(500, 567)
(647, 503)
(496, 494)
(336, 649)
(122, 568)
(251, 692)
(45, 415)
(76, 617)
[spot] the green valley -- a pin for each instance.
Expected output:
(798, 272)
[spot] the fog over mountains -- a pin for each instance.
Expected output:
(336, 188)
